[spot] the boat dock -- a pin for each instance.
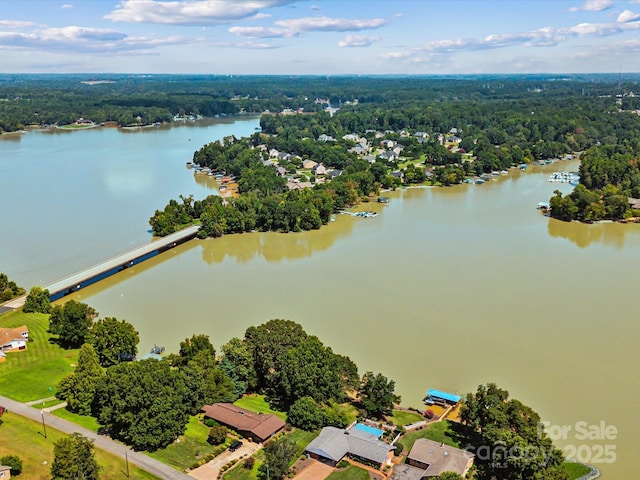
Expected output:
(105, 269)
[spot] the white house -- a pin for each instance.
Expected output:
(14, 339)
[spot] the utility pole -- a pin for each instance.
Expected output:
(44, 426)
(126, 459)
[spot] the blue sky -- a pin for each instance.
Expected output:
(319, 37)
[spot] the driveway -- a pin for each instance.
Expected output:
(210, 470)
(315, 471)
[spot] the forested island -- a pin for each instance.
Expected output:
(392, 132)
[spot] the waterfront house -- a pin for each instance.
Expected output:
(429, 459)
(319, 169)
(14, 339)
(361, 443)
(257, 427)
(5, 472)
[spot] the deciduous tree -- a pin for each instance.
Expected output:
(37, 301)
(74, 458)
(71, 323)
(377, 394)
(114, 341)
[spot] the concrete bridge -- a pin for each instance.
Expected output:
(105, 269)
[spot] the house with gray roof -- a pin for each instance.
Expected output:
(429, 459)
(333, 444)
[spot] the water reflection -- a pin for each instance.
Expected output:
(583, 235)
(275, 247)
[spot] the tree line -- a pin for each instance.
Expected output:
(609, 176)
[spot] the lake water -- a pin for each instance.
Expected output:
(447, 288)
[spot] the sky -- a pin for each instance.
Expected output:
(321, 37)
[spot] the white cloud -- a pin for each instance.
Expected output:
(67, 5)
(327, 24)
(250, 45)
(262, 32)
(628, 16)
(194, 12)
(74, 39)
(16, 24)
(357, 41)
(593, 6)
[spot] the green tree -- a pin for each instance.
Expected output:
(71, 323)
(217, 435)
(14, 462)
(74, 458)
(114, 341)
(237, 364)
(377, 394)
(9, 289)
(278, 455)
(268, 343)
(78, 389)
(306, 414)
(37, 301)
(205, 382)
(509, 428)
(144, 404)
(190, 347)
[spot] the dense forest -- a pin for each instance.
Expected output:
(393, 132)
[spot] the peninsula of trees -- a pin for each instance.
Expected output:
(387, 139)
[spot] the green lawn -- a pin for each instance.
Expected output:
(241, 473)
(257, 403)
(402, 417)
(85, 421)
(439, 432)
(575, 470)
(301, 438)
(23, 437)
(350, 473)
(191, 447)
(34, 373)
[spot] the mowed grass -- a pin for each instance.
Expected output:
(257, 403)
(85, 421)
(239, 472)
(192, 446)
(23, 437)
(402, 417)
(575, 470)
(350, 473)
(439, 432)
(33, 374)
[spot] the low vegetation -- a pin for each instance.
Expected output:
(22, 437)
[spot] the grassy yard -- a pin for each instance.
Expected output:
(23, 437)
(402, 417)
(241, 473)
(34, 373)
(301, 438)
(350, 473)
(85, 421)
(575, 470)
(257, 403)
(439, 432)
(192, 446)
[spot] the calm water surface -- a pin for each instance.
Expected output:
(446, 288)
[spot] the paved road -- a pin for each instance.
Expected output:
(143, 461)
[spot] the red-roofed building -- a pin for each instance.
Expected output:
(258, 427)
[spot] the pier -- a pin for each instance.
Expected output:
(105, 269)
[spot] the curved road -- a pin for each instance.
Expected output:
(143, 461)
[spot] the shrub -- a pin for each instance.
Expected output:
(210, 422)
(398, 450)
(343, 464)
(249, 463)
(14, 462)
(217, 435)
(429, 414)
